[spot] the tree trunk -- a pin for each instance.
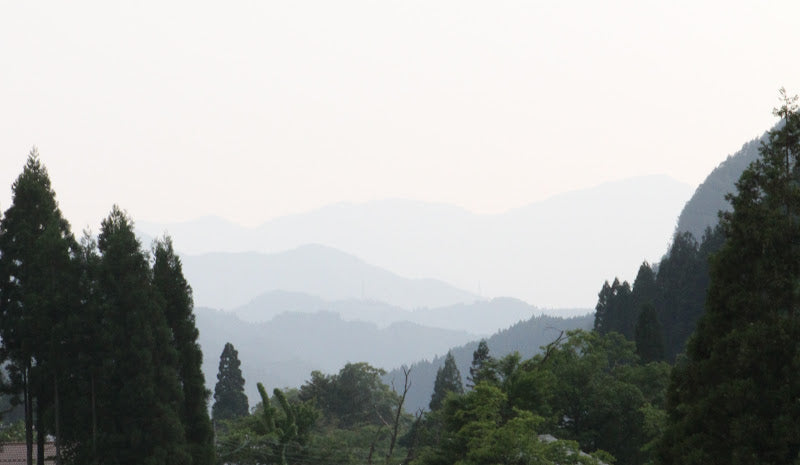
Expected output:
(40, 435)
(57, 420)
(94, 422)
(28, 414)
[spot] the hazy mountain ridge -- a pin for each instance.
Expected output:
(228, 280)
(284, 351)
(530, 252)
(481, 317)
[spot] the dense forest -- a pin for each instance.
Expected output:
(696, 362)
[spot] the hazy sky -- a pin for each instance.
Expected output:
(249, 110)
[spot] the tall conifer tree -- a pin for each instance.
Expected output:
(138, 418)
(230, 400)
(176, 293)
(480, 369)
(448, 379)
(38, 289)
(735, 398)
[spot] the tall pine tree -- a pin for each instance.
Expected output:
(735, 398)
(481, 368)
(138, 417)
(230, 400)
(38, 290)
(448, 379)
(176, 294)
(615, 310)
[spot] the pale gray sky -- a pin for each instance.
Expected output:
(253, 109)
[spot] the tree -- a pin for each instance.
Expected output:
(683, 281)
(481, 360)
(448, 379)
(269, 435)
(230, 401)
(138, 418)
(645, 288)
(481, 428)
(38, 289)
(734, 398)
(176, 294)
(649, 343)
(87, 345)
(615, 310)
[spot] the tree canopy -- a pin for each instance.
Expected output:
(734, 398)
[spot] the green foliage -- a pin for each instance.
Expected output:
(270, 435)
(38, 292)
(138, 418)
(481, 428)
(584, 387)
(355, 396)
(285, 429)
(448, 379)
(677, 293)
(230, 401)
(734, 398)
(615, 311)
(14, 432)
(176, 294)
(649, 342)
(480, 358)
(525, 337)
(683, 283)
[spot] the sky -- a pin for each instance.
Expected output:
(250, 110)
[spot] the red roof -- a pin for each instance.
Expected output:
(15, 452)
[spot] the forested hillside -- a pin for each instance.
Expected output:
(676, 286)
(701, 211)
(525, 337)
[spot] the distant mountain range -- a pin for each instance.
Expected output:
(228, 280)
(284, 351)
(482, 317)
(549, 253)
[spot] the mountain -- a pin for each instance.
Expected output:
(227, 280)
(525, 337)
(701, 210)
(284, 351)
(549, 252)
(482, 317)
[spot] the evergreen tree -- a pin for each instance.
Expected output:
(481, 362)
(86, 344)
(734, 398)
(448, 379)
(176, 294)
(683, 281)
(615, 310)
(137, 408)
(230, 400)
(649, 342)
(645, 288)
(38, 290)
